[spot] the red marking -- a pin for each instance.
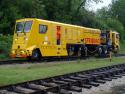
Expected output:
(58, 28)
(58, 32)
(23, 55)
(58, 35)
(92, 41)
(12, 55)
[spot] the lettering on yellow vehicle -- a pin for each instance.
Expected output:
(92, 41)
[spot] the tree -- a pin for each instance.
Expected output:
(8, 15)
(117, 10)
(11, 10)
(109, 21)
(115, 24)
(67, 11)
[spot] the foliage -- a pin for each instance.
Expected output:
(117, 12)
(10, 10)
(5, 46)
(109, 21)
(115, 24)
(117, 9)
(68, 11)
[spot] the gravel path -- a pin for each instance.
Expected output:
(116, 86)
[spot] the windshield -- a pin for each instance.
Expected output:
(19, 27)
(23, 26)
(28, 25)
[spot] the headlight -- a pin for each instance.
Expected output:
(13, 52)
(16, 39)
(26, 38)
(22, 52)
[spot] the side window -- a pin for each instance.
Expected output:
(42, 28)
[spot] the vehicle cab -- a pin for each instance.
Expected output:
(23, 29)
(115, 41)
(111, 39)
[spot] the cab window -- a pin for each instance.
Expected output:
(103, 35)
(42, 28)
(19, 27)
(23, 26)
(117, 36)
(28, 25)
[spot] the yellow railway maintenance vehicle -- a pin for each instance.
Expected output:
(36, 38)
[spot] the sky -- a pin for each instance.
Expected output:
(94, 6)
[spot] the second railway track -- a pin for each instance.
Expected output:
(25, 61)
(68, 83)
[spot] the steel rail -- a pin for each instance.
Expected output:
(68, 83)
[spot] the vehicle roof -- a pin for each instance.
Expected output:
(115, 32)
(82, 27)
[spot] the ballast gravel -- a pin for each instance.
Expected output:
(110, 87)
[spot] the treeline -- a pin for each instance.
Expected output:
(67, 11)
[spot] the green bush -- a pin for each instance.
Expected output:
(5, 46)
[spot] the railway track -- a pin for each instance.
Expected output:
(68, 83)
(25, 61)
(13, 61)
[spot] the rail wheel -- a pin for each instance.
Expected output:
(83, 51)
(71, 51)
(79, 52)
(36, 55)
(116, 50)
(100, 51)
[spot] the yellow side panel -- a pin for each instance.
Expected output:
(53, 50)
(50, 47)
(72, 35)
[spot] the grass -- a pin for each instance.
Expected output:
(11, 74)
(122, 47)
